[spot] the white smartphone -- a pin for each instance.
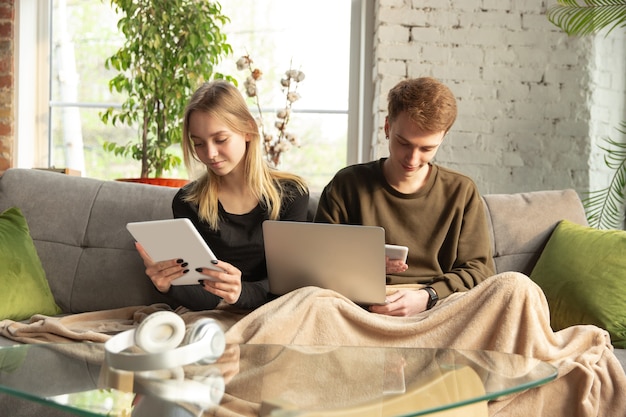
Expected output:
(397, 252)
(175, 239)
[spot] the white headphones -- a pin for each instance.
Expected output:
(158, 337)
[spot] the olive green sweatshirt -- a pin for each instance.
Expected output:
(444, 223)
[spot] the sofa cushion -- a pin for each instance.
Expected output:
(23, 283)
(522, 223)
(582, 271)
(78, 226)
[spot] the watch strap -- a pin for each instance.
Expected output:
(433, 297)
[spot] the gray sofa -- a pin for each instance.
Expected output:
(78, 226)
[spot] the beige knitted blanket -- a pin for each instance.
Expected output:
(506, 313)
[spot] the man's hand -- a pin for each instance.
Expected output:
(404, 302)
(394, 266)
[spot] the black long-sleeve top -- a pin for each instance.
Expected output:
(238, 241)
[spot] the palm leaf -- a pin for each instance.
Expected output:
(590, 16)
(605, 207)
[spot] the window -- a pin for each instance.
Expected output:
(279, 34)
(83, 35)
(80, 35)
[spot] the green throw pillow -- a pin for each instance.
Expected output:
(582, 271)
(24, 289)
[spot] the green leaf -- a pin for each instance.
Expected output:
(605, 207)
(586, 17)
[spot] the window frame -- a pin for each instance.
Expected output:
(32, 81)
(361, 139)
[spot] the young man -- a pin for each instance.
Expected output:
(439, 215)
(436, 212)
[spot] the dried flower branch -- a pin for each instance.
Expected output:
(274, 145)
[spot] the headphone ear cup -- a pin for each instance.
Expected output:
(207, 331)
(160, 331)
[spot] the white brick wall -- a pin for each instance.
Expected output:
(529, 96)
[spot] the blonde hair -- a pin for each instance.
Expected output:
(222, 100)
(428, 103)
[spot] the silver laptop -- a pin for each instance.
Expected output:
(343, 258)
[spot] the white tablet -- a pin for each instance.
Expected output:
(396, 252)
(175, 239)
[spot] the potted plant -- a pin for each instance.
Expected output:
(170, 48)
(604, 207)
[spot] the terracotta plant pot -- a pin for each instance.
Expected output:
(166, 182)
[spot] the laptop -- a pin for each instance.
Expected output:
(345, 258)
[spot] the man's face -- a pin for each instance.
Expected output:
(410, 149)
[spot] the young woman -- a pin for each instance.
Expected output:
(228, 203)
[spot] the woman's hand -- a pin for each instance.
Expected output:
(394, 266)
(162, 273)
(404, 302)
(226, 284)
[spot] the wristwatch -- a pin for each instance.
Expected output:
(433, 297)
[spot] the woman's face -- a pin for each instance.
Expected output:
(216, 145)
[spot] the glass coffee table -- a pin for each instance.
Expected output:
(272, 380)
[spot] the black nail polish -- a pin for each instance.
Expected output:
(198, 269)
(179, 261)
(185, 271)
(214, 262)
(184, 264)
